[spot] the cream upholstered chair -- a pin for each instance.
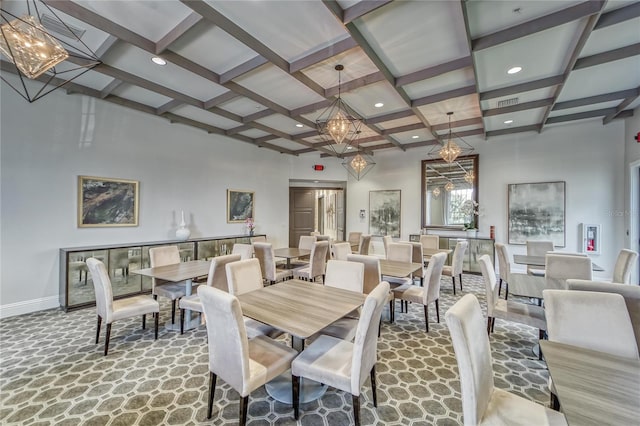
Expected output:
(341, 250)
(110, 310)
(597, 321)
(242, 363)
(430, 293)
(399, 252)
(482, 402)
(538, 248)
(508, 310)
(430, 241)
(306, 241)
(561, 267)
(372, 276)
(519, 284)
(627, 260)
(265, 255)
(455, 269)
(258, 239)
(417, 256)
(504, 264)
(328, 239)
(244, 276)
(244, 250)
(162, 256)
(317, 263)
(631, 294)
(347, 276)
(342, 364)
(385, 242)
(363, 246)
(354, 239)
(217, 278)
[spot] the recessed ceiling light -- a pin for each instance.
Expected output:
(514, 70)
(158, 60)
(379, 105)
(415, 137)
(349, 147)
(508, 121)
(299, 125)
(316, 181)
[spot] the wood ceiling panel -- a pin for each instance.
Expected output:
(449, 81)
(620, 75)
(203, 116)
(356, 64)
(613, 37)
(463, 108)
(399, 122)
(363, 99)
(520, 118)
(140, 95)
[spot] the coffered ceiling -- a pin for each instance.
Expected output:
(262, 71)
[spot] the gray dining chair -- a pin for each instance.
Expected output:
(317, 263)
(626, 261)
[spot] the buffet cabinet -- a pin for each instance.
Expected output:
(478, 246)
(76, 287)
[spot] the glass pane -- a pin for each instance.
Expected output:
(79, 283)
(121, 262)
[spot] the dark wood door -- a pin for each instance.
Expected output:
(302, 203)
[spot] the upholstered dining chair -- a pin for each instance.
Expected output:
(626, 261)
(508, 310)
(399, 252)
(342, 364)
(631, 294)
(217, 278)
(245, 364)
(110, 310)
(538, 248)
(561, 267)
(244, 276)
(504, 264)
(317, 263)
(429, 293)
(341, 250)
(430, 241)
(244, 250)
(385, 242)
(306, 241)
(363, 246)
(354, 239)
(482, 402)
(258, 239)
(265, 255)
(162, 256)
(372, 276)
(591, 320)
(417, 256)
(457, 261)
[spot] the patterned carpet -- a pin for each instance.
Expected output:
(51, 373)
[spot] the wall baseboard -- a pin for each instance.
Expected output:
(19, 308)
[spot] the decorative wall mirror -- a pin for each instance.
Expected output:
(445, 188)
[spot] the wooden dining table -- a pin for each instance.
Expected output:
(523, 259)
(428, 252)
(301, 309)
(290, 253)
(183, 271)
(394, 268)
(594, 388)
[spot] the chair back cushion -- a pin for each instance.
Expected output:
(592, 320)
(385, 241)
(432, 277)
(401, 252)
(244, 276)
(102, 288)
(626, 261)
(430, 241)
(258, 239)
(306, 242)
(344, 274)
(227, 335)
(372, 273)
(538, 248)
(218, 271)
(489, 276)
(363, 247)
(503, 261)
(162, 256)
(471, 346)
(244, 250)
(631, 294)
(458, 257)
(354, 237)
(318, 258)
(323, 238)
(266, 258)
(561, 267)
(365, 344)
(341, 250)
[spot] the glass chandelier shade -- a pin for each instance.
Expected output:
(469, 177)
(450, 151)
(360, 164)
(436, 192)
(449, 186)
(27, 45)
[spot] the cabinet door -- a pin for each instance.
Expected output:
(79, 282)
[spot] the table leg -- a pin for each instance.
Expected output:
(189, 322)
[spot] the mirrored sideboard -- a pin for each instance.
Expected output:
(478, 246)
(76, 287)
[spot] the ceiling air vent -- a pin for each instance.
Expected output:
(507, 102)
(54, 25)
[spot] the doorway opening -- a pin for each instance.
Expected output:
(317, 208)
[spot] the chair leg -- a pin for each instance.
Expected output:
(541, 334)
(461, 281)
(295, 395)
(212, 390)
(144, 322)
(437, 311)
(244, 404)
(181, 321)
(555, 403)
(499, 287)
(98, 329)
(489, 325)
(356, 409)
(426, 318)
(106, 341)
(157, 319)
(453, 279)
(493, 323)
(506, 291)
(373, 386)
(173, 311)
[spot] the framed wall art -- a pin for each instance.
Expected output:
(537, 212)
(384, 213)
(239, 205)
(107, 202)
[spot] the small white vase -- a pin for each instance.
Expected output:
(183, 233)
(472, 232)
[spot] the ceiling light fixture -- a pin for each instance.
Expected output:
(470, 176)
(514, 70)
(449, 186)
(158, 60)
(338, 124)
(415, 137)
(379, 105)
(35, 52)
(508, 121)
(299, 125)
(450, 150)
(361, 163)
(435, 192)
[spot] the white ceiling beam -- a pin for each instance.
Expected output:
(591, 100)
(106, 46)
(390, 116)
(361, 8)
(424, 74)
(243, 68)
(620, 108)
(168, 106)
(322, 54)
(220, 99)
(609, 56)
(178, 31)
(443, 96)
(583, 115)
(110, 88)
(522, 87)
(512, 130)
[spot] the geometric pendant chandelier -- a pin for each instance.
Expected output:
(35, 43)
(360, 164)
(450, 150)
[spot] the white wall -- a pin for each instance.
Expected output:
(46, 145)
(631, 213)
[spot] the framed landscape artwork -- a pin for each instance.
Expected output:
(537, 212)
(107, 202)
(384, 213)
(239, 205)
